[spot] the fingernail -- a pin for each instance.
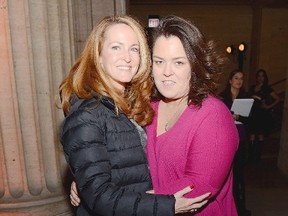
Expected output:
(192, 186)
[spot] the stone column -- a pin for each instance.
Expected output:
(39, 40)
(36, 51)
(87, 13)
(121, 6)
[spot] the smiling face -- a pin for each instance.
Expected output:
(120, 57)
(171, 68)
(236, 81)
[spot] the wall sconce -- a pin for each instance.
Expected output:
(242, 47)
(240, 51)
(230, 49)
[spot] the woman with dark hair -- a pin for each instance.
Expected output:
(235, 90)
(192, 139)
(261, 120)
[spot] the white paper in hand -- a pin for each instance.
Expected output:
(242, 106)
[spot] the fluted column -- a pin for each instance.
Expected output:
(87, 14)
(39, 40)
(36, 51)
(121, 6)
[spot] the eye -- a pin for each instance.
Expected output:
(179, 63)
(115, 47)
(157, 62)
(135, 49)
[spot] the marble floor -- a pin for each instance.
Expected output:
(266, 187)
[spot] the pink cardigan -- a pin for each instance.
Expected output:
(197, 151)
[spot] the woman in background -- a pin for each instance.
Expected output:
(234, 90)
(261, 119)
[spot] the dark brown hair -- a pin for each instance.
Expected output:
(266, 79)
(227, 91)
(201, 53)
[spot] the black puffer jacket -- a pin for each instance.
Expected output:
(109, 164)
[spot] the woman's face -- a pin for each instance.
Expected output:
(171, 68)
(260, 77)
(120, 57)
(237, 80)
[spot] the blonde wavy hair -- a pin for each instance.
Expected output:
(86, 78)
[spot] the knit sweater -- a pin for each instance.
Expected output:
(197, 151)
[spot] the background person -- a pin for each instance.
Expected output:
(261, 119)
(234, 90)
(192, 139)
(106, 100)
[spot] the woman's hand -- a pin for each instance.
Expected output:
(256, 97)
(74, 196)
(235, 117)
(183, 204)
(150, 192)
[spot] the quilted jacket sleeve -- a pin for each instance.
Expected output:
(85, 151)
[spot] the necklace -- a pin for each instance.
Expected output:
(175, 116)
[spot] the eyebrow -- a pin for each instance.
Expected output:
(156, 57)
(176, 58)
(118, 42)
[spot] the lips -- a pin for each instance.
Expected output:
(124, 67)
(168, 82)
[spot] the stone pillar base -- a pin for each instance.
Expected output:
(57, 206)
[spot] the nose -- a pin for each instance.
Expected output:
(168, 70)
(127, 56)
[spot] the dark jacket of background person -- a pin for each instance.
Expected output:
(261, 119)
(118, 172)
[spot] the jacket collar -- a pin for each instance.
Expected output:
(77, 102)
(108, 102)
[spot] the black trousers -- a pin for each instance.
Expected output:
(239, 177)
